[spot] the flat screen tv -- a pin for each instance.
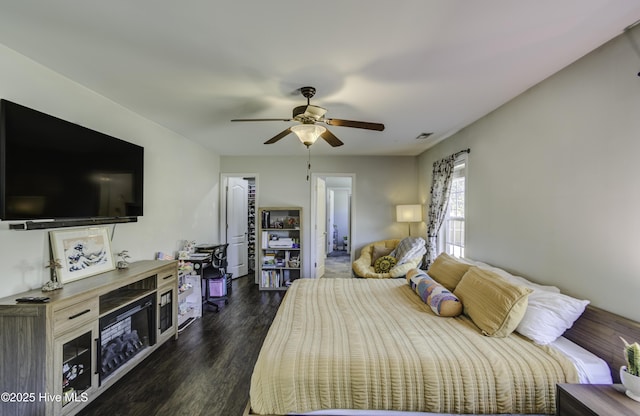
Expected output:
(55, 169)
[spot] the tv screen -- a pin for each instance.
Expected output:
(55, 169)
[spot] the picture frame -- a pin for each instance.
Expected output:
(82, 252)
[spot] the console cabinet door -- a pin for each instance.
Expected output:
(167, 304)
(167, 312)
(24, 355)
(75, 377)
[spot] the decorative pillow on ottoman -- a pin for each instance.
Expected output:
(379, 251)
(409, 248)
(441, 301)
(384, 264)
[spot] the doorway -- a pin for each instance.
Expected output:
(238, 202)
(332, 231)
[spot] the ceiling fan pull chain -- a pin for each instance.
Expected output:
(309, 163)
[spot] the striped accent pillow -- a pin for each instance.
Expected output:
(408, 248)
(493, 304)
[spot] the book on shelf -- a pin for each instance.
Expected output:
(266, 216)
(270, 278)
(269, 259)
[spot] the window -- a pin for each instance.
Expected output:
(453, 227)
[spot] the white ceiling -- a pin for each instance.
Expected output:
(415, 65)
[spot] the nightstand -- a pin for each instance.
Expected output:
(594, 399)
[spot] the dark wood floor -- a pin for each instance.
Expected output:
(207, 371)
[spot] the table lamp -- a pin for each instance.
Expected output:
(409, 214)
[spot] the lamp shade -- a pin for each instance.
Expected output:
(409, 213)
(308, 133)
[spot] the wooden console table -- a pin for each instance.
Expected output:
(49, 360)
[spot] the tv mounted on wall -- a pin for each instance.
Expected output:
(56, 170)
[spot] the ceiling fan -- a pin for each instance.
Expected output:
(308, 115)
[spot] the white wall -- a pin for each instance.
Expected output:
(553, 188)
(380, 184)
(341, 210)
(181, 178)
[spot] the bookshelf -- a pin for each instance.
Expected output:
(280, 254)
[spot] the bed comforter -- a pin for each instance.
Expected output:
(373, 344)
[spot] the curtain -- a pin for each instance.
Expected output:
(440, 187)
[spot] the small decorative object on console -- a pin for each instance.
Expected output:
(630, 374)
(164, 256)
(53, 283)
(123, 263)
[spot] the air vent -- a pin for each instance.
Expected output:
(423, 136)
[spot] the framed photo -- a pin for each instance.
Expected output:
(82, 252)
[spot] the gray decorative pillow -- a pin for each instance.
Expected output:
(379, 251)
(408, 248)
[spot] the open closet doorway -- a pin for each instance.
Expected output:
(333, 224)
(238, 203)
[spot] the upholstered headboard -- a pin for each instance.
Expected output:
(599, 331)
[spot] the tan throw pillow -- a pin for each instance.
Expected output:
(493, 304)
(447, 271)
(379, 251)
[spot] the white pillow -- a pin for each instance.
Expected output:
(548, 315)
(535, 286)
(549, 312)
(516, 280)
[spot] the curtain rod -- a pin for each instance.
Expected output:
(461, 152)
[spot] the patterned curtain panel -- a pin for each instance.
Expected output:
(440, 187)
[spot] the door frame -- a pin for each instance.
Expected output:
(352, 218)
(319, 245)
(224, 181)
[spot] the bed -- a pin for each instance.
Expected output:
(357, 346)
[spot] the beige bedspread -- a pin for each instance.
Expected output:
(373, 344)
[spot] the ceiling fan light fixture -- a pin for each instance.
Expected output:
(307, 116)
(308, 133)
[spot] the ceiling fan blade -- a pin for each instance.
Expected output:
(262, 119)
(278, 136)
(331, 139)
(356, 124)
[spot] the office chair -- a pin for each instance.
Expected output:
(217, 275)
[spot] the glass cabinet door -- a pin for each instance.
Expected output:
(75, 375)
(166, 310)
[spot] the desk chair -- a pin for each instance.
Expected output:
(217, 272)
